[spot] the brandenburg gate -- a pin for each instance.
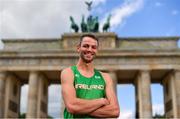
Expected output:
(132, 60)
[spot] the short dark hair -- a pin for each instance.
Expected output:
(89, 35)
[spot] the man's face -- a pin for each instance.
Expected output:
(88, 49)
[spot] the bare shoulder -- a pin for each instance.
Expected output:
(106, 76)
(66, 70)
(67, 73)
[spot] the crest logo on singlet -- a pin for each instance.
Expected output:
(97, 77)
(76, 75)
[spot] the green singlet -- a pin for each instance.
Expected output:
(87, 88)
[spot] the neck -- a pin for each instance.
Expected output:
(85, 66)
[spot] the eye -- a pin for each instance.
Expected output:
(94, 47)
(86, 46)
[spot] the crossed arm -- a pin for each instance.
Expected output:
(102, 107)
(111, 110)
(73, 104)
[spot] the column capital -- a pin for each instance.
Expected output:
(140, 73)
(34, 72)
(144, 71)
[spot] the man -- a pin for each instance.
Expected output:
(87, 92)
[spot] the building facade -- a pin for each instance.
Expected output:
(137, 61)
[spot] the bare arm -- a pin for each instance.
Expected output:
(73, 104)
(111, 110)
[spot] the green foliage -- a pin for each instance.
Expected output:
(23, 116)
(50, 117)
(158, 116)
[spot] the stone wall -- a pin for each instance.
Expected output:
(31, 44)
(148, 43)
(107, 41)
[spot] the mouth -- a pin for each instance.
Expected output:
(89, 55)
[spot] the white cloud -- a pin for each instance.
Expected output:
(54, 109)
(54, 93)
(178, 43)
(174, 12)
(126, 115)
(98, 2)
(1, 44)
(54, 102)
(124, 11)
(50, 18)
(39, 18)
(44, 18)
(158, 109)
(24, 96)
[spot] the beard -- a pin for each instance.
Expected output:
(85, 59)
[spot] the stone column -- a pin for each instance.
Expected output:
(115, 80)
(2, 93)
(38, 96)
(170, 96)
(143, 95)
(177, 83)
(32, 95)
(171, 85)
(42, 106)
(12, 96)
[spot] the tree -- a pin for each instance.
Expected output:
(23, 116)
(158, 116)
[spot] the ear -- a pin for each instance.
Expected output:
(78, 47)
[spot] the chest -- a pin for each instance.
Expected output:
(89, 88)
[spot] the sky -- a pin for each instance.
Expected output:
(130, 18)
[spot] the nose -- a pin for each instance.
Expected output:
(89, 48)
